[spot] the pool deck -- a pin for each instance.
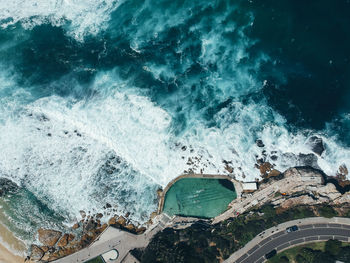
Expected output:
(237, 185)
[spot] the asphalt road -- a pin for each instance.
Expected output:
(282, 240)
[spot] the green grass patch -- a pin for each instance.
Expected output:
(320, 252)
(96, 260)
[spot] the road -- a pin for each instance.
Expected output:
(281, 240)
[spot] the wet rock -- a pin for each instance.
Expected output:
(131, 227)
(82, 213)
(341, 176)
(274, 157)
(121, 221)
(343, 170)
(316, 145)
(36, 252)
(91, 224)
(183, 148)
(308, 160)
(63, 241)
(265, 168)
(260, 143)
(7, 186)
(49, 237)
(44, 248)
(71, 237)
(112, 220)
(274, 173)
(229, 168)
(108, 205)
(99, 215)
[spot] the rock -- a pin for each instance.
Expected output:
(49, 237)
(36, 252)
(44, 248)
(63, 241)
(274, 157)
(131, 227)
(274, 173)
(159, 192)
(265, 168)
(99, 215)
(82, 213)
(260, 143)
(343, 170)
(140, 230)
(103, 227)
(121, 221)
(75, 226)
(329, 190)
(229, 168)
(112, 220)
(308, 160)
(299, 200)
(316, 145)
(71, 237)
(108, 205)
(45, 258)
(91, 224)
(7, 186)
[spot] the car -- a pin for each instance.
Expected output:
(271, 254)
(292, 229)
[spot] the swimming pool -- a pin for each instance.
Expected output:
(199, 197)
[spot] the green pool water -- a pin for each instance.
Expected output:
(199, 197)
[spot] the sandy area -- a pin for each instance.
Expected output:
(7, 257)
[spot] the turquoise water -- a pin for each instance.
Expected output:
(199, 197)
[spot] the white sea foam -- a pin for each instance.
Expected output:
(84, 16)
(59, 147)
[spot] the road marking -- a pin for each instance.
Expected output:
(265, 241)
(253, 249)
(334, 225)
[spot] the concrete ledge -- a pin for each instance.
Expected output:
(236, 184)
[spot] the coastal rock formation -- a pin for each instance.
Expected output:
(7, 186)
(316, 145)
(49, 237)
(65, 239)
(36, 252)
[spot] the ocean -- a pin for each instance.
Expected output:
(102, 102)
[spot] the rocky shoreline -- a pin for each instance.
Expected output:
(308, 187)
(331, 190)
(55, 244)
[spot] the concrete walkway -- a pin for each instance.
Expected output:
(337, 224)
(122, 241)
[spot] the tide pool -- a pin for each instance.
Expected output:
(199, 197)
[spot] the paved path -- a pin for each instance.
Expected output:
(295, 181)
(310, 230)
(113, 238)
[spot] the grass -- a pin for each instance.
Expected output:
(292, 252)
(96, 260)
